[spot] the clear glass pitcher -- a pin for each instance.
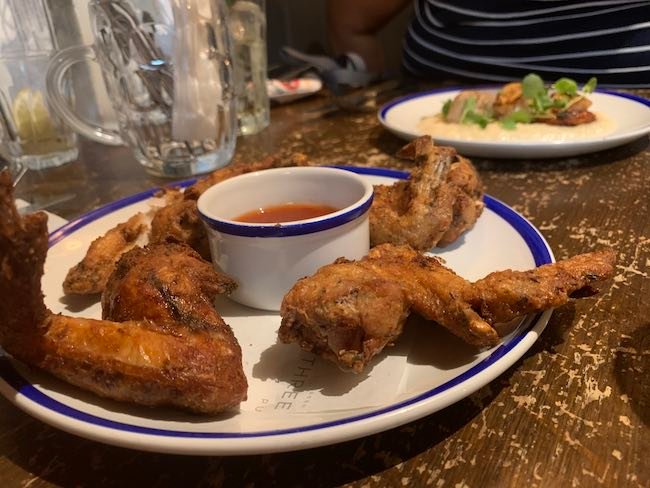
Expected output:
(167, 69)
(31, 134)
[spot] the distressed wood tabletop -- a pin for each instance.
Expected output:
(573, 411)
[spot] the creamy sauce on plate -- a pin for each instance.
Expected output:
(536, 132)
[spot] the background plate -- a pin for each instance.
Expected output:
(630, 113)
(296, 401)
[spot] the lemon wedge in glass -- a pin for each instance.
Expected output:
(36, 130)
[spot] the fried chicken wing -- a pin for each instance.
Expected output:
(467, 190)
(180, 222)
(441, 199)
(168, 284)
(195, 366)
(505, 295)
(91, 273)
(349, 311)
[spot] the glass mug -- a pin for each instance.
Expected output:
(31, 135)
(167, 69)
(247, 23)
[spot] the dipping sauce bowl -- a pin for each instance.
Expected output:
(267, 259)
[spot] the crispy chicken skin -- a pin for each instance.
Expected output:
(441, 199)
(168, 284)
(349, 311)
(504, 295)
(195, 368)
(467, 190)
(91, 273)
(180, 221)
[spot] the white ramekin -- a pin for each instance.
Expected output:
(267, 259)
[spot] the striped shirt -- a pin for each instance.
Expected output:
(501, 40)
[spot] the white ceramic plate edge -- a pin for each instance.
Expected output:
(519, 150)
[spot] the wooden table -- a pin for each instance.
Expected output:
(574, 411)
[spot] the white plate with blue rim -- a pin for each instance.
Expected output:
(627, 118)
(295, 400)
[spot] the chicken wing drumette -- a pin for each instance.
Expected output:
(349, 311)
(175, 351)
(441, 199)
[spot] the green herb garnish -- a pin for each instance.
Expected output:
(538, 101)
(536, 94)
(511, 120)
(532, 86)
(476, 118)
(470, 115)
(560, 102)
(468, 106)
(566, 86)
(590, 86)
(541, 100)
(446, 107)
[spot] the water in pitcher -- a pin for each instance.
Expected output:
(247, 23)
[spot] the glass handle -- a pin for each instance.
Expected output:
(56, 70)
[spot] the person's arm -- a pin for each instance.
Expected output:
(353, 26)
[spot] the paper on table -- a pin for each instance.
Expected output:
(283, 377)
(284, 91)
(304, 383)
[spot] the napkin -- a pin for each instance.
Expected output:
(306, 384)
(285, 91)
(284, 377)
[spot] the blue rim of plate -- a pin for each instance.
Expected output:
(398, 101)
(525, 229)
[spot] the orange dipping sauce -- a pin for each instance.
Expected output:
(287, 212)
